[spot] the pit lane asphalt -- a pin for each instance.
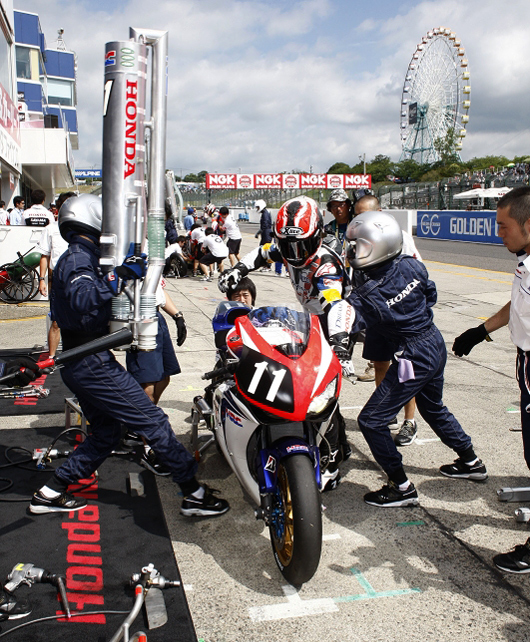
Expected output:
(416, 574)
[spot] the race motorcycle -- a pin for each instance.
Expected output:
(273, 396)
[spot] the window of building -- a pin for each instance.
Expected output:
(23, 62)
(60, 92)
(5, 57)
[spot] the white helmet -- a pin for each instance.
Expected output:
(81, 214)
(373, 238)
(260, 205)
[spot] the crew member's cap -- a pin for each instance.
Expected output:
(338, 195)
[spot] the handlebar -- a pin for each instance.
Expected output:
(219, 372)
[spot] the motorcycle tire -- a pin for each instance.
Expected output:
(296, 520)
(178, 265)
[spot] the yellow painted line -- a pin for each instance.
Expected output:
(464, 267)
(469, 276)
(22, 319)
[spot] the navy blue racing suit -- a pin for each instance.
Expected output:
(397, 301)
(107, 393)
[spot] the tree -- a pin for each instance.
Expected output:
(380, 167)
(340, 168)
(446, 147)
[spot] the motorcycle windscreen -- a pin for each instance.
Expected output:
(265, 381)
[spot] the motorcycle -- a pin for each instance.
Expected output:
(273, 396)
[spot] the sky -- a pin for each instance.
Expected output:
(278, 85)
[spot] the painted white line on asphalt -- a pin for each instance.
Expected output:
(295, 607)
(351, 407)
(420, 442)
(326, 538)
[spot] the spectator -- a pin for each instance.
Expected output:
(16, 216)
(37, 214)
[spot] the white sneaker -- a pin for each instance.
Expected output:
(206, 278)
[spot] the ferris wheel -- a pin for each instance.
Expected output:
(436, 96)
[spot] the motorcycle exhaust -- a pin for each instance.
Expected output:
(202, 405)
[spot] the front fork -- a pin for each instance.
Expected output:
(267, 470)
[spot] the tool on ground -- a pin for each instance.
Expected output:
(147, 580)
(30, 574)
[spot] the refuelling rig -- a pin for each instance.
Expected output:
(134, 178)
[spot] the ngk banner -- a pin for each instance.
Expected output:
(288, 181)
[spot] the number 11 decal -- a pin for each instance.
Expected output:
(278, 376)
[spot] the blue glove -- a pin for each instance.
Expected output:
(133, 267)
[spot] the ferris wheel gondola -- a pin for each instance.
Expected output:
(435, 97)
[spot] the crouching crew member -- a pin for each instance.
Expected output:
(107, 393)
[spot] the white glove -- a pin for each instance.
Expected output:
(229, 279)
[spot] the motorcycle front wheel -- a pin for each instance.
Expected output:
(296, 520)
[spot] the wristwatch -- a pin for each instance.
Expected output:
(42, 278)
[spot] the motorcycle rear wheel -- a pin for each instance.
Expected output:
(296, 520)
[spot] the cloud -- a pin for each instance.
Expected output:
(273, 85)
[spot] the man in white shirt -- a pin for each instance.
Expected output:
(4, 216)
(233, 234)
(37, 214)
(16, 216)
(513, 220)
(214, 250)
(51, 246)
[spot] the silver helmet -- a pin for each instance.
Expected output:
(372, 239)
(82, 214)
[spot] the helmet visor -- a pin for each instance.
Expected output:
(298, 252)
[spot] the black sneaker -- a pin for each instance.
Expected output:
(390, 495)
(208, 506)
(62, 504)
(11, 608)
(393, 424)
(407, 433)
(149, 460)
(516, 561)
(460, 470)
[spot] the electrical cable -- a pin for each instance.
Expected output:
(62, 616)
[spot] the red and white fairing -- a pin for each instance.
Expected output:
(279, 381)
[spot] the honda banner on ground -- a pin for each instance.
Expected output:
(458, 225)
(288, 181)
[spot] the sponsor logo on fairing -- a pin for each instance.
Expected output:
(270, 466)
(297, 448)
(403, 293)
(110, 58)
(234, 418)
(131, 115)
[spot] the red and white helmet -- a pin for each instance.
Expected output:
(210, 209)
(299, 229)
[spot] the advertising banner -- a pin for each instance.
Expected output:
(458, 225)
(88, 173)
(288, 181)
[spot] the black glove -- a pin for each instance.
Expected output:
(182, 331)
(23, 371)
(340, 344)
(469, 339)
(133, 267)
